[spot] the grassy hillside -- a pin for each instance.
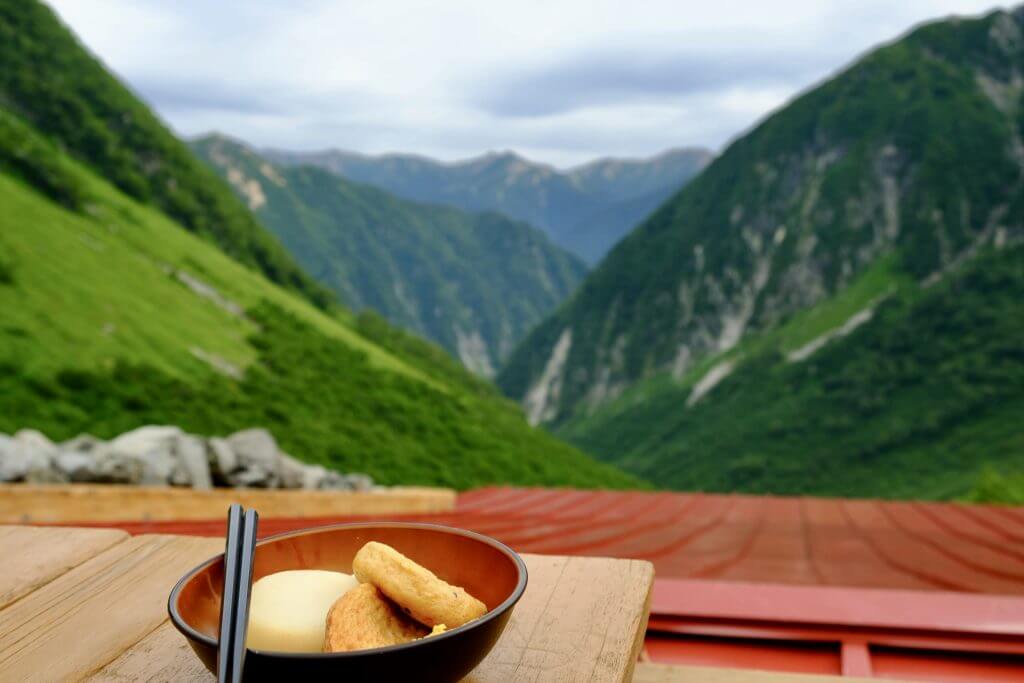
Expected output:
(474, 283)
(115, 317)
(49, 80)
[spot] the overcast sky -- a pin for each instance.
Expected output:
(561, 81)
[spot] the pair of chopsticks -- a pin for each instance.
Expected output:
(234, 607)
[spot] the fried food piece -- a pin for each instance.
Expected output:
(415, 589)
(363, 618)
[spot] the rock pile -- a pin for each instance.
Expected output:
(161, 456)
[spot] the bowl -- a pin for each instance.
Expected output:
(486, 568)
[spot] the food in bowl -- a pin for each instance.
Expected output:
(390, 600)
(487, 569)
(421, 595)
(364, 618)
(287, 611)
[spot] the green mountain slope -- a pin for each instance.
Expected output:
(474, 283)
(49, 80)
(114, 317)
(853, 201)
(915, 402)
(584, 209)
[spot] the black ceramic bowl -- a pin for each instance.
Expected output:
(484, 567)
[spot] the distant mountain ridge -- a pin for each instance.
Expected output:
(585, 209)
(757, 332)
(473, 282)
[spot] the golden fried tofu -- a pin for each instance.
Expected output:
(415, 589)
(363, 618)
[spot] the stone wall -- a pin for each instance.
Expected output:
(166, 456)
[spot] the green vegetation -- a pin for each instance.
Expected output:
(993, 487)
(324, 402)
(914, 403)
(51, 82)
(451, 276)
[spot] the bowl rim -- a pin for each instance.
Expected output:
(505, 605)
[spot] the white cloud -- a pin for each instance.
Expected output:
(560, 81)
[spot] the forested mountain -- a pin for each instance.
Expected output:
(474, 283)
(831, 303)
(584, 209)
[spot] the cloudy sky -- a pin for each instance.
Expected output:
(562, 81)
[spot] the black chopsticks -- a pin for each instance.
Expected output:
(234, 607)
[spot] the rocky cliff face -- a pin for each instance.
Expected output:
(913, 153)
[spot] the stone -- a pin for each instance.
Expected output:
(83, 443)
(145, 440)
(113, 467)
(254, 477)
(314, 475)
(334, 481)
(35, 440)
(45, 475)
(76, 466)
(152, 449)
(222, 460)
(359, 482)
(293, 473)
(20, 461)
(191, 454)
(256, 451)
(13, 465)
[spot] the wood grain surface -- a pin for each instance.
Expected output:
(32, 557)
(88, 616)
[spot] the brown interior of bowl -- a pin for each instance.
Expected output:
(485, 568)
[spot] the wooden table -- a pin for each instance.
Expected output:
(92, 604)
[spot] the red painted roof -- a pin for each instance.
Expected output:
(797, 541)
(916, 591)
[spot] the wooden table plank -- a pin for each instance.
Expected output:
(33, 557)
(90, 615)
(163, 655)
(27, 503)
(580, 619)
(661, 673)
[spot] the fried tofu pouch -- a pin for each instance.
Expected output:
(363, 618)
(416, 590)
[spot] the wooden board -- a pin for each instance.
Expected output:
(580, 619)
(27, 503)
(85, 618)
(660, 673)
(33, 557)
(163, 655)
